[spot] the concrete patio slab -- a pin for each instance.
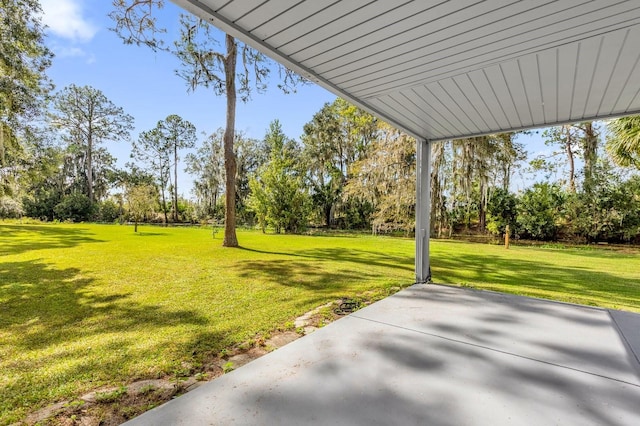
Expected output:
(436, 355)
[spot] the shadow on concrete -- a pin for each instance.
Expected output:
(550, 331)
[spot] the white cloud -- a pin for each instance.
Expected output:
(63, 51)
(69, 52)
(64, 19)
(549, 152)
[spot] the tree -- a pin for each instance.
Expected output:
(568, 138)
(321, 140)
(154, 151)
(87, 119)
(501, 211)
(131, 176)
(538, 211)
(141, 200)
(508, 158)
(337, 136)
(204, 66)
(440, 179)
(208, 168)
(24, 85)
(43, 180)
(573, 139)
(386, 179)
(476, 156)
(74, 170)
(479, 166)
(250, 154)
(589, 141)
(623, 144)
(110, 210)
(611, 210)
(177, 134)
(277, 193)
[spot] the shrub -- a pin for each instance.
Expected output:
(40, 203)
(108, 211)
(10, 208)
(501, 211)
(610, 212)
(538, 209)
(75, 207)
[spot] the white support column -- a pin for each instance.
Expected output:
(423, 211)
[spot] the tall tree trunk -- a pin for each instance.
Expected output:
(506, 181)
(175, 181)
(230, 166)
(437, 156)
(569, 151)
(482, 206)
(572, 167)
(2, 148)
(164, 199)
(164, 207)
(590, 153)
(90, 167)
(327, 215)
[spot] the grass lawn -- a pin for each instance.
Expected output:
(83, 306)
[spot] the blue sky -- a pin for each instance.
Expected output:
(145, 85)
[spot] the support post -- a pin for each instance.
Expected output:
(423, 211)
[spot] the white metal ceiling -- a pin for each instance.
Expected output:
(451, 69)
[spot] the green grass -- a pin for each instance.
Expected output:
(585, 275)
(85, 306)
(90, 305)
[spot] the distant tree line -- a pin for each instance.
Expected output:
(348, 171)
(351, 171)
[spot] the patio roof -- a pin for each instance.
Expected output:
(452, 69)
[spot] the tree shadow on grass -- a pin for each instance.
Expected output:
(41, 302)
(339, 254)
(328, 272)
(150, 234)
(60, 333)
(300, 274)
(16, 239)
(587, 250)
